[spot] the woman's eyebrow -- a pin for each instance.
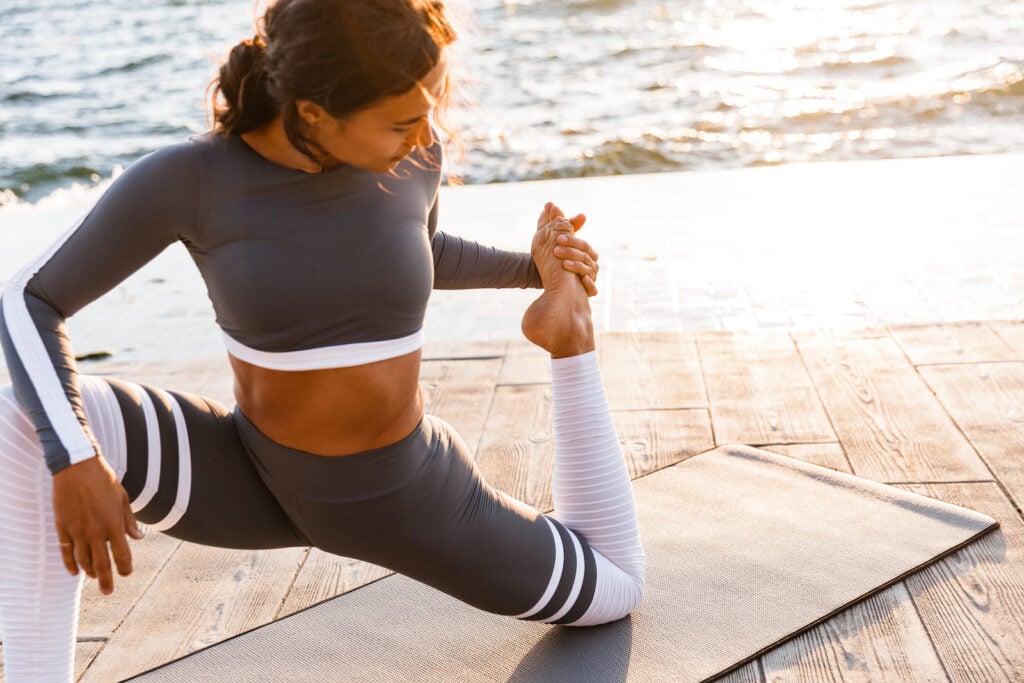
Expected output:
(411, 121)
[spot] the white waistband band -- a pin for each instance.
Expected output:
(341, 356)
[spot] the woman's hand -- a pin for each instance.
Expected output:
(91, 510)
(577, 255)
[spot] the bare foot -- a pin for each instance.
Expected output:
(559, 320)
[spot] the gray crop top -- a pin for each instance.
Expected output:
(304, 270)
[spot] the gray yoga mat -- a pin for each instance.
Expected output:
(745, 550)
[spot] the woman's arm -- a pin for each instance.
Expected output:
(154, 203)
(465, 264)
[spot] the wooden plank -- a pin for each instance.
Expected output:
(461, 392)
(835, 334)
(464, 350)
(100, 615)
(1012, 332)
(748, 673)
(987, 403)
(973, 601)
(651, 371)
(889, 423)
(324, 576)
(759, 390)
(516, 452)
(525, 363)
(881, 638)
(203, 596)
(952, 343)
(828, 455)
(655, 439)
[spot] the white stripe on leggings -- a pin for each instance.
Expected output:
(149, 489)
(556, 575)
(577, 583)
(107, 423)
(181, 497)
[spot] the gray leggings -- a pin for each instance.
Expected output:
(419, 506)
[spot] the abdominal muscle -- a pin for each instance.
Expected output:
(338, 411)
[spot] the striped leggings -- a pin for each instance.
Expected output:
(199, 472)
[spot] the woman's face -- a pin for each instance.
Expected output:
(377, 138)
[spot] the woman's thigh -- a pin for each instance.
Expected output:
(187, 472)
(420, 507)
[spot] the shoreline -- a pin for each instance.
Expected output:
(839, 245)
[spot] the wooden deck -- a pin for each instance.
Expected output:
(935, 409)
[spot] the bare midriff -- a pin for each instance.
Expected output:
(338, 411)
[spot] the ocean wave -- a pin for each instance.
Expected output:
(30, 96)
(833, 64)
(990, 88)
(134, 65)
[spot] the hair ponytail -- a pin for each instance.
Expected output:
(240, 97)
(344, 55)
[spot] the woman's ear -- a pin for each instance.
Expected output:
(310, 112)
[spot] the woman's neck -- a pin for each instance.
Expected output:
(272, 143)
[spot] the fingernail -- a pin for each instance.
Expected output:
(563, 239)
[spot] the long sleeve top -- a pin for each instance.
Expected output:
(297, 266)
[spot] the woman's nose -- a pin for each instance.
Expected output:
(422, 135)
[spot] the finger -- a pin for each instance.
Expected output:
(130, 522)
(577, 221)
(581, 269)
(576, 255)
(577, 243)
(562, 225)
(589, 285)
(101, 563)
(83, 556)
(67, 556)
(122, 554)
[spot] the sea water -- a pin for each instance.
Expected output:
(560, 88)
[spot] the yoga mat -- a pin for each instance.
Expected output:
(745, 549)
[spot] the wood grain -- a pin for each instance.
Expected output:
(759, 390)
(748, 673)
(973, 601)
(957, 343)
(987, 403)
(203, 596)
(652, 440)
(516, 452)
(324, 576)
(461, 393)
(828, 455)
(1012, 332)
(525, 363)
(890, 425)
(101, 615)
(653, 371)
(879, 639)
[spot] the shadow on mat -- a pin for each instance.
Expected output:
(599, 653)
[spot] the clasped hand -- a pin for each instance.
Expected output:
(577, 255)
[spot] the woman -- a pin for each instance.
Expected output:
(311, 212)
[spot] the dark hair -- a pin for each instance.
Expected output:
(344, 55)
